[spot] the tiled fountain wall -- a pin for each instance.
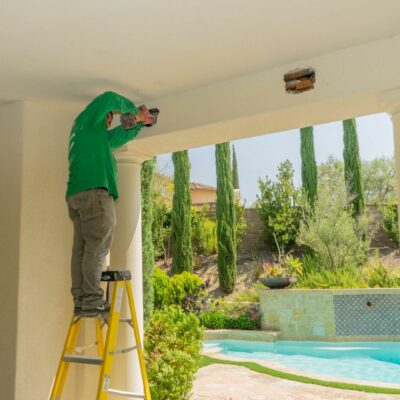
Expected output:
(353, 314)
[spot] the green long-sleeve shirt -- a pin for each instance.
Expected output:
(91, 161)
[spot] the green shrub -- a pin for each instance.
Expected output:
(161, 227)
(390, 221)
(329, 231)
(341, 278)
(172, 347)
(243, 322)
(213, 320)
(378, 275)
(204, 233)
(184, 290)
(241, 223)
(249, 295)
(219, 320)
(182, 285)
(278, 207)
(160, 284)
(231, 309)
(310, 263)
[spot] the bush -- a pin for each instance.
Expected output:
(390, 221)
(231, 309)
(160, 284)
(241, 223)
(378, 275)
(278, 207)
(185, 290)
(172, 347)
(249, 295)
(204, 233)
(222, 314)
(341, 278)
(161, 228)
(219, 320)
(336, 240)
(182, 285)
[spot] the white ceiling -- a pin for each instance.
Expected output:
(68, 51)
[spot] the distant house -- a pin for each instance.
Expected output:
(205, 194)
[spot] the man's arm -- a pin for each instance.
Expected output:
(120, 136)
(96, 111)
(124, 133)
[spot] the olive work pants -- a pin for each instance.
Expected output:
(93, 215)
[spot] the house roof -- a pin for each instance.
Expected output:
(201, 186)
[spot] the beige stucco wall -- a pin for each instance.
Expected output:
(46, 239)
(36, 238)
(11, 132)
(201, 196)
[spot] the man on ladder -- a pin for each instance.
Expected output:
(92, 190)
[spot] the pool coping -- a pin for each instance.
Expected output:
(256, 335)
(283, 368)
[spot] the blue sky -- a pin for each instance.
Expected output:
(261, 155)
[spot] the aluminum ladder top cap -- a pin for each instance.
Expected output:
(116, 275)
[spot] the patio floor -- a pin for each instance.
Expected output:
(229, 382)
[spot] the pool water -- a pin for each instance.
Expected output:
(367, 361)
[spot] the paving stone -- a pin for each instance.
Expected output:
(229, 382)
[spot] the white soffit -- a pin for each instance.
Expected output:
(66, 52)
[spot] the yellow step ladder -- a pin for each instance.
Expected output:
(105, 350)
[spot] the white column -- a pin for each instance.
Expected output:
(390, 102)
(126, 253)
(396, 139)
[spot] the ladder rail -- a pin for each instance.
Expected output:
(100, 340)
(142, 364)
(62, 371)
(111, 338)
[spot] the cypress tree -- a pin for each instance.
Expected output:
(181, 215)
(226, 219)
(235, 173)
(308, 164)
(147, 174)
(352, 166)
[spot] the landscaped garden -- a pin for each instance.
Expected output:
(197, 277)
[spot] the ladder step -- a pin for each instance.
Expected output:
(126, 394)
(83, 359)
(123, 351)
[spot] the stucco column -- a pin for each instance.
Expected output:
(126, 253)
(390, 103)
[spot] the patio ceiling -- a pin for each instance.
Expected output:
(178, 54)
(70, 50)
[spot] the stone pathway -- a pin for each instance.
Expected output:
(229, 382)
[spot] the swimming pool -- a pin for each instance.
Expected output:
(367, 361)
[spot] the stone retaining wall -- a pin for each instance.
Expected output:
(342, 315)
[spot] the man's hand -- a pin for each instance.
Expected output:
(128, 120)
(144, 116)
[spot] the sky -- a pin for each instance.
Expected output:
(260, 156)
